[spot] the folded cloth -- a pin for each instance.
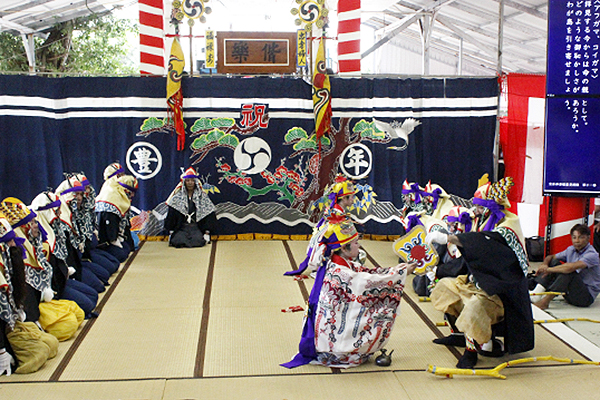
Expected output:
(32, 346)
(61, 318)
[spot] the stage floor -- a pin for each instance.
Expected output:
(207, 323)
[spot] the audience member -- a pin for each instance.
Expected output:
(574, 272)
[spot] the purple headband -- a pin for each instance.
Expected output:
(495, 209)
(8, 237)
(25, 220)
(78, 188)
(43, 232)
(333, 197)
(464, 218)
(18, 241)
(190, 177)
(127, 186)
(117, 171)
(85, 182)
(414, 188)
(49, 206)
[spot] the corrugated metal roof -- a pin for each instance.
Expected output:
(456, 27)
(475, 24)
(33, 16)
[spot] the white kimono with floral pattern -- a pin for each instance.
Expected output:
(356, 311)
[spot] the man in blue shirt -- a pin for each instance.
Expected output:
(578, 276)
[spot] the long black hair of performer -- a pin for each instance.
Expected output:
(18, 275)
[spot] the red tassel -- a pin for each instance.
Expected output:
(176, 108)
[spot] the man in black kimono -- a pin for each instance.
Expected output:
(493, 299)
(191, 217)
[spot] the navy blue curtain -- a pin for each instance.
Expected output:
(50, 126)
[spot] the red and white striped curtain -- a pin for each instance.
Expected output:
(349, 36)
(152, 53)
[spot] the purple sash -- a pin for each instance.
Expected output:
(414, 220)
(436, 196)
(306, 349)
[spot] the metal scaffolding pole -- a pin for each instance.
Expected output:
(460, 57)
(426, 26)
(29, 45)
(499, 72)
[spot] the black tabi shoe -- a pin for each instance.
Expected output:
(455, 339)
(468, 360)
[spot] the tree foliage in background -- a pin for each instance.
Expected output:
(91, 46)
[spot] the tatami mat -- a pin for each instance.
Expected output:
(314, 387)
(141, 344)
(150, 326)
(44, 373)
(124, 390)
(193, 324)
(535, 382)
(243, 280)
(248, 334)
(253, 341)
(162, 277)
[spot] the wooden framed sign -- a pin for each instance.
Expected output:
(256, 52)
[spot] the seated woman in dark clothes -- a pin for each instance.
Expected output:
(191, 217)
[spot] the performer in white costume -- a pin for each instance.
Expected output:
(352, 308)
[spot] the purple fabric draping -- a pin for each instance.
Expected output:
(416, 190)
(464, 218)
(496, 213)
(413, 220)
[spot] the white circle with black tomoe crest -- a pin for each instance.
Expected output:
(252, 155)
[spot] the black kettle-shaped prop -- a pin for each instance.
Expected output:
(384, 360)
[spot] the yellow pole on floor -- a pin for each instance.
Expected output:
(545, 293)
(495, 372)
(545, 321)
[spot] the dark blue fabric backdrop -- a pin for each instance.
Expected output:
(55, 125)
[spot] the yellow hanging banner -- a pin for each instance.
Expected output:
(321, 94)
(174, 93)
(210, 49)
(301, 53)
